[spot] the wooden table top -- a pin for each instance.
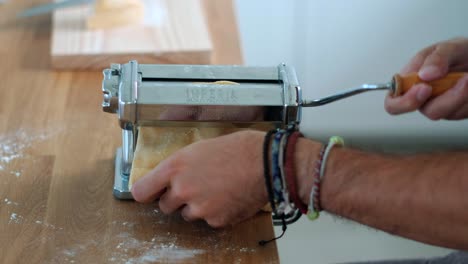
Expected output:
(57, 164)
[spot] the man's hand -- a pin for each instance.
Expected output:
(219, 180)
(432, 63)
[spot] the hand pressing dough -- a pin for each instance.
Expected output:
(157, 143)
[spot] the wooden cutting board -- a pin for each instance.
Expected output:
(173, 31)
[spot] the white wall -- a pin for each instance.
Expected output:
(338, 44)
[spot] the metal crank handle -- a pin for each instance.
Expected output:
(399, 85)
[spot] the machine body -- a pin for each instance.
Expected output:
(191, 95)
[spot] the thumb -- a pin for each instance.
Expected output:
(437, 64)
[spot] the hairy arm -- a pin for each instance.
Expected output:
(421, 197)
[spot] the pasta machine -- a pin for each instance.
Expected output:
(189, 95)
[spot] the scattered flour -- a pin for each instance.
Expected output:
(8, 159)
(12, 145)
(69, 254)
(166, 254)
(16, 173)
(15, 218)
(11, 148)
(128, 250)
(131, 250)
(10, 202)
(18, 219)
(49, 226)
(242, 250)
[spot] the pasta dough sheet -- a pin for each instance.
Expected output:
(157, 143)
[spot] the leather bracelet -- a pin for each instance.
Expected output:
(290, 171)
(266, 168)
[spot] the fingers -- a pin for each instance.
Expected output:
(171, 200)
(411, 101)
(450, 104)
(461, 113)
(437, 60)
(432, 63)
(153, 184)
(189, 213)
(437, 63)
(417, 61)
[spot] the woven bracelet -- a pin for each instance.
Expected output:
(290, 172)
(266, 168)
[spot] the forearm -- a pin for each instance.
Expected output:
(422, 197)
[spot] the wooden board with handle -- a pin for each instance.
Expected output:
(173, 31)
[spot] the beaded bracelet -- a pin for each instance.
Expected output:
(314, 199)
(334, 141)
(313, 212)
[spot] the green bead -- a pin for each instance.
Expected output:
(337, 140)
(313, 215)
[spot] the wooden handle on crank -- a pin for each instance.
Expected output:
(404, 82)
